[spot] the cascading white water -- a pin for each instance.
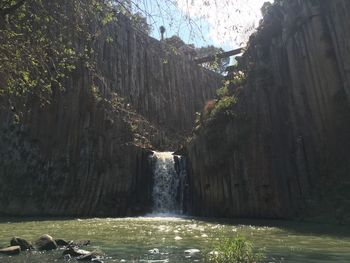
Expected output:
(168, 184)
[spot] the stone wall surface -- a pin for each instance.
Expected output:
(86, 152)
(162, 84)
(286, 153)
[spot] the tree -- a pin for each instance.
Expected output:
(36, 48)
(175, 41)
(218, 65)
(140, 23)
(230, 20)
(138, 19)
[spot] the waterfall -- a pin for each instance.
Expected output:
(169, 174)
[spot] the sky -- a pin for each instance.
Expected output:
(223, 23)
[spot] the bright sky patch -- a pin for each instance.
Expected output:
(230, 21)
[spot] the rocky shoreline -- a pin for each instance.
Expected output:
(71, 249)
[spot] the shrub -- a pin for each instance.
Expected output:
(237, 250)
(222, 92)
(208, 108)
(224, 106)
(239, 78)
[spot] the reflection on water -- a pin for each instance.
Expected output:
(171, 239)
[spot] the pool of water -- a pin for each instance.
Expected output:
(165, 239)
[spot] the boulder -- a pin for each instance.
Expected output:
(75, 252)
(61, 242)
(79, 243)
(192, 252)
(45, 242)
(13, 250)
(82, 255)
(24, 244)
(92, 256)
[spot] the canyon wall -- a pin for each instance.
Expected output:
(285, 152)
(161, 83)
(85, 153)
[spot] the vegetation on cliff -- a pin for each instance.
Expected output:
(44, 43)
(36, 49)
(85, 95)
(281, 153)
(41, 45)
(218, 65)
(218, 112)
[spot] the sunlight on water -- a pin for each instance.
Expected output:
(164, 238)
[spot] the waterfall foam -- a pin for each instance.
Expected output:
(169, 175)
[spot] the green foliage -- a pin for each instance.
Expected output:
(226, 96)
(222, 92)
(222, 109)
(215, 109)
(140, 23)
(96, 93)
(235, 79)
(138, 19)
(175, 41)
(38, 45)
(237, 250)
(108, 18)
(239, 78)
(218, 65)
(224, 106)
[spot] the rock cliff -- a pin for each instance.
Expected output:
(285, 151)
(165, 87)
(85, 153)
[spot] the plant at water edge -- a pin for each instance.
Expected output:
(236, 250)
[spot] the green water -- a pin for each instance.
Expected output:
(140, 239)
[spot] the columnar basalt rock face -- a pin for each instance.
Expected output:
(286, 151)
(86, 152)
(166, 87)
(82, 164)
